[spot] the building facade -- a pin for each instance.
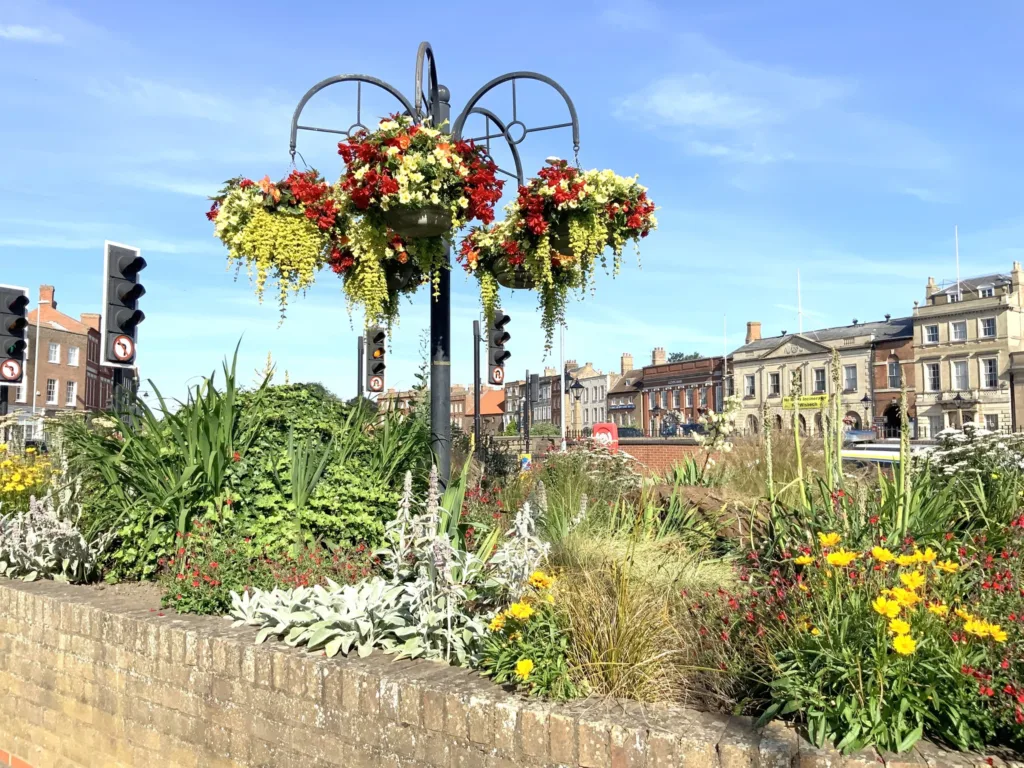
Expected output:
(592, 406)
(893, 369)
(492, 411)
(968, 340)
(676, 394)
(515, 394)
(398, 400)
(623, 403)
(67, 375)
(762, 372)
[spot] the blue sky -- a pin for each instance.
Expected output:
(843, 141)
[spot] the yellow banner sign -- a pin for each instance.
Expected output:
(807, 402)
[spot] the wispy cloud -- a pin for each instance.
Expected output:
(733, 110)
(79, 236)
(23, 34)
(798, 310)
(191, 187)
(153, 97)
(924, 194)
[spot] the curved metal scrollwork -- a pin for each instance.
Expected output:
(515, 131)
(424, 107)
(490, 117)
(358, 124)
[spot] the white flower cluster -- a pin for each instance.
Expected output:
(719, 426)
(972, 451)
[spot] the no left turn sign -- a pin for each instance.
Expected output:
(10, 370)
(376, 384)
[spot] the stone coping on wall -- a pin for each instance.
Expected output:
(100, 677)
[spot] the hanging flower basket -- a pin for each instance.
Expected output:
(428, 221)
(406, 189)
(559, 225)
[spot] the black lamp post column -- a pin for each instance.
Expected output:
(440, 338)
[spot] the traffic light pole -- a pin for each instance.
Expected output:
(476, 384)
(360, 351)
(3, 403)
(527, 410)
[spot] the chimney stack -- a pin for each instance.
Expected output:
(753, 331)
(626, 364)
(658, 356)
(549, 371)
(570, 364)
(91, 320)
(46, 295)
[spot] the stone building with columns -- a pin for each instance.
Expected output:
(969, 350)
(762, 371)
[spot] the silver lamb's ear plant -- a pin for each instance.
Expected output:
(432, 605)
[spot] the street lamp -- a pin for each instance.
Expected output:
(866, 402)
(433, 102)
(958, 401)
(576, 390)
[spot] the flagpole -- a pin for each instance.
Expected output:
(799, 304)
(956, 245)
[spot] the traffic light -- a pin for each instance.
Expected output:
(121, 314)
(497, 337)
(376, 339)
(13, 333)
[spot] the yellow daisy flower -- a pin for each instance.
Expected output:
(803, 560)
(882, 555)
(888, 608)
(899, 627)
(520, 611)
(523, 668)
(913, 580)
(948, 566)
(841, 558)
(904, 645)
(829, 539)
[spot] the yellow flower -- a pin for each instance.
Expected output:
(841, 558)
(549, 598)
(913, 580)
(978, 628)
(541, 580)
(803, 560)
(815, 631)
(520, 611)
(523, 668)
(928, 556)
(888, 608)
(905, 597)
(515, 637)
(939, 610)
(882, 555)
(497, 623)
(904, 645)
(998, 633)
(995, 476)
(899, 627)
(963, 614)
(906, 560)
(947, 566)
(829, 539)
(30, 450)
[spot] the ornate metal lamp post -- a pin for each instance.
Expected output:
(433, 103)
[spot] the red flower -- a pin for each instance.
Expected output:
(236, 456)
(873, 520)
(181, 577)
(214, 565)
(195, 582)
(228, 501)
(181, 551)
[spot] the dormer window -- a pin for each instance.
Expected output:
(987, 292)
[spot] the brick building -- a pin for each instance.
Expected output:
(67, 376)
(680, 391)
(892, 366)
(492, 411)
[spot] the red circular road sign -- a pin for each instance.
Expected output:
(10, 370)
(376, 384)
(497, 375)
(124, 348)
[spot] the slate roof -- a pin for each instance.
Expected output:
(972, 284)
(883, 330)
(627, 384)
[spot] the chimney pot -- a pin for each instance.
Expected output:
(855, 321)
(753, 331)
(626, 363)
(887, 316)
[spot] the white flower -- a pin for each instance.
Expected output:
(463, 202)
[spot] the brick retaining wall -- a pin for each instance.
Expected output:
(92, 679)
(659, 455)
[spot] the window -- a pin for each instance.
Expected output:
(992, 422)
(935, 425)
(664, 399)
(932, 381)
(675, 399)
(650, 400)
(586, 395)
(748, 385)
(958, 331)
(989, 373)
(774, 384)
(51, 389)
(850, 378)
(689, 398)
(72, 355)
(954, 297)
(819, 380)
(960, 377)
(987, 293)
(987, 328)
(586, 414)
(71, 393)
(19, 394)
(703, 397)
(894, 374)
(54, 356)
(931, 334)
